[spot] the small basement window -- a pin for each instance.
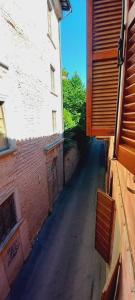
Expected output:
(3, 137)
(7, 217)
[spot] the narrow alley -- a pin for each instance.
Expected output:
(64, 264)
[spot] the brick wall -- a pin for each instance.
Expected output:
(71, 159)
(25, 172)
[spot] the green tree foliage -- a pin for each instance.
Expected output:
(68, 120)
(74, 101)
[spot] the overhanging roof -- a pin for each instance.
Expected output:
(65, 4)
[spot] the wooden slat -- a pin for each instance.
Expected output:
(129, 98)
(129, 116)
(108, 7)
(102, 112)
(107, 23)
(131, 79)
(131, 50)
(98, 34)
(130, 89)
(131, 70)
(130, 107)
(126, 156)
(103, 131)
(107, 30)
(105, 2)
(131, 59)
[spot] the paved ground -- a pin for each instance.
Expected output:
(63, 264)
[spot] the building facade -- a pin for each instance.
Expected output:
(31, 126)
(111, 116)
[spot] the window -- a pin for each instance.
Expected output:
(7, 217)
(104, 225)
(54, 122)
(49, 19)
(3, 138)
(52, 70)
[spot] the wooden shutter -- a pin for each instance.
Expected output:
(104, 225)
(126, 136)
(111, 289)
(104, 22)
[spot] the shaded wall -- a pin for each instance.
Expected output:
(71, 159)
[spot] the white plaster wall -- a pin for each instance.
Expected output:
(28, 52)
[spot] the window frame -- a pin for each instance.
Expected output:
(49, 18)
(4, 126)
(54, 122)
(13, 219)
(52, 74)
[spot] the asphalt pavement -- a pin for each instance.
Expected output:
(63, 264)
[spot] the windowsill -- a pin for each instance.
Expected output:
(10, 235)
(53, 93)
(7, 151)
(51, 40)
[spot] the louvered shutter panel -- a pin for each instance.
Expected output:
(126, 139)
(104, 22)
(104, 225)
(111, 289)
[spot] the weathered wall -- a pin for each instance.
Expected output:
(71, 159)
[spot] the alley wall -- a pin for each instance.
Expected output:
(31, 167)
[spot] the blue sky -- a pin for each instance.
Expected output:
(73, 39)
